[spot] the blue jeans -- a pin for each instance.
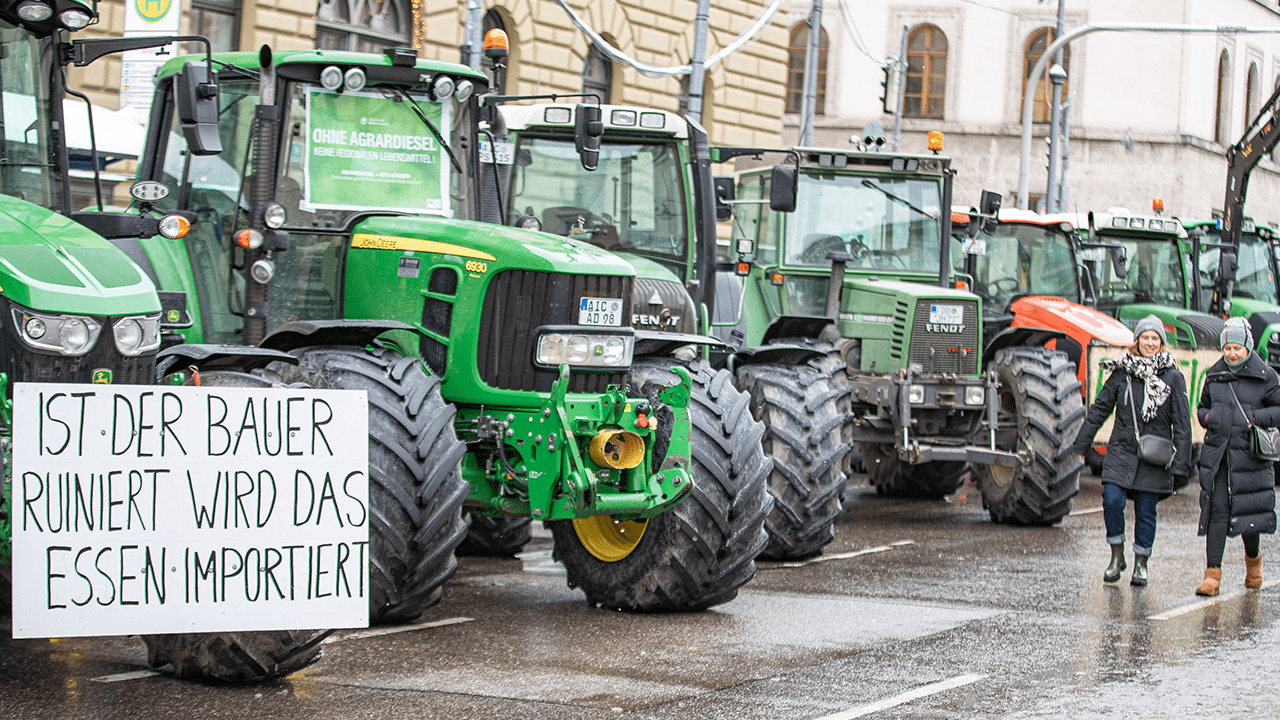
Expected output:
(1144, 521)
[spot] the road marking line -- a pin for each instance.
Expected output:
(1183, 610)
(906, 697)
(1086, 511)
(393, 630)
(119, 677)
(845, 556)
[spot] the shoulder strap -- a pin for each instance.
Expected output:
(1238, 405)
(1129, 391)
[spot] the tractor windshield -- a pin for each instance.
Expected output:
(25, 171)
(1255, 274)
(1023, 259)
(886, 223)
(1154, 273)
(633, 201)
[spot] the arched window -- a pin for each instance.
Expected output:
(597, 74)
(795, 69)
(1222, 108)
(1036, 44)
(363, 25)
(926, 90)
(493, 21)
(1251, 93)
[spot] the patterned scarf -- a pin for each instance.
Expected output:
(1155, 390)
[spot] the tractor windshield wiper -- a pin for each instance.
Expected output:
(413, 104)
(895, 198)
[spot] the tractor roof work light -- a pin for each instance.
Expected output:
(331, 77)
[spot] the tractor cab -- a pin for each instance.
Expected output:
(1150, 275)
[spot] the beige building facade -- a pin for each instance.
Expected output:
(744, 97)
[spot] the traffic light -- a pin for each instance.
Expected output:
(884, 90)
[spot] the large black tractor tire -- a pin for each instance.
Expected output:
(235, 657)
(889, 475)
(832, 366)
(798, 406)
(700, 552)
(416, 488)
(244, 657)
(495, 535)
(1038, 386)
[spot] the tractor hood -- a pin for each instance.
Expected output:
(507, 246)
(1077, 321)
(51, 263)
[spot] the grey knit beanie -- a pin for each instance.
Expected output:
(1236, 331)
(1150, 322)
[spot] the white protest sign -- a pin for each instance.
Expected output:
(138, 67)
(163, 509)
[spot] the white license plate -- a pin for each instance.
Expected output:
(946, 314)
(600, 311)
(506, 152)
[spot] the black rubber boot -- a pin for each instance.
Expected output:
(1117, 565)
(1139, 570)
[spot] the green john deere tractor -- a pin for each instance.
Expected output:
(864, 260)
(338, 227)
(1255, 289)
(73, 308)
(651, 200)
(1151, 275)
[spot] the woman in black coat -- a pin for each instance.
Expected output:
(1237, 490)
(1145, 386)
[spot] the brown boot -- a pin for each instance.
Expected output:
(1253, 571)
(1212, 580)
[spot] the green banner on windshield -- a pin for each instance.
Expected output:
(367, 151)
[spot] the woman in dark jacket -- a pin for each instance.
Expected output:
(1237, 490)
(1145, 385)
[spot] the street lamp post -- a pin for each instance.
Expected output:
(1057, 76)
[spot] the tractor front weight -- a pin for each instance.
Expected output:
(580, 455)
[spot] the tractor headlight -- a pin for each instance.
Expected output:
(70, 335)
(915, 394)
(570, 346)
(974, 395)
(137, 334)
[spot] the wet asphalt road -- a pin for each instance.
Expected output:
(917, 610)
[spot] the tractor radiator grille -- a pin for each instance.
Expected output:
(945, 352)
(516, 304)
(24, 363)
(672, 313)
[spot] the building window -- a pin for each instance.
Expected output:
(1036, 44)
(796, 52)
(218, 20)
(597, 75)
(926, 88)
(1222, 107)
(493, 21)
(363, 25)
(1251, 92)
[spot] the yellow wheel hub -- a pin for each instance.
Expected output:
(609, 539)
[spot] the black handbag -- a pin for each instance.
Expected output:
(1265, 442)
(1155, 450)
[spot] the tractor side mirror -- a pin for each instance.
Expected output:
(587, 131)
(726, 192)
(1119, 261)
(989, 204)
(198, 109)
(1227, 266)
(782, 189)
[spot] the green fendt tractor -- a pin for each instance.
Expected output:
(866, 253)
(73, 308)
(339, 226)
(650, 199)
(1255, 289)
